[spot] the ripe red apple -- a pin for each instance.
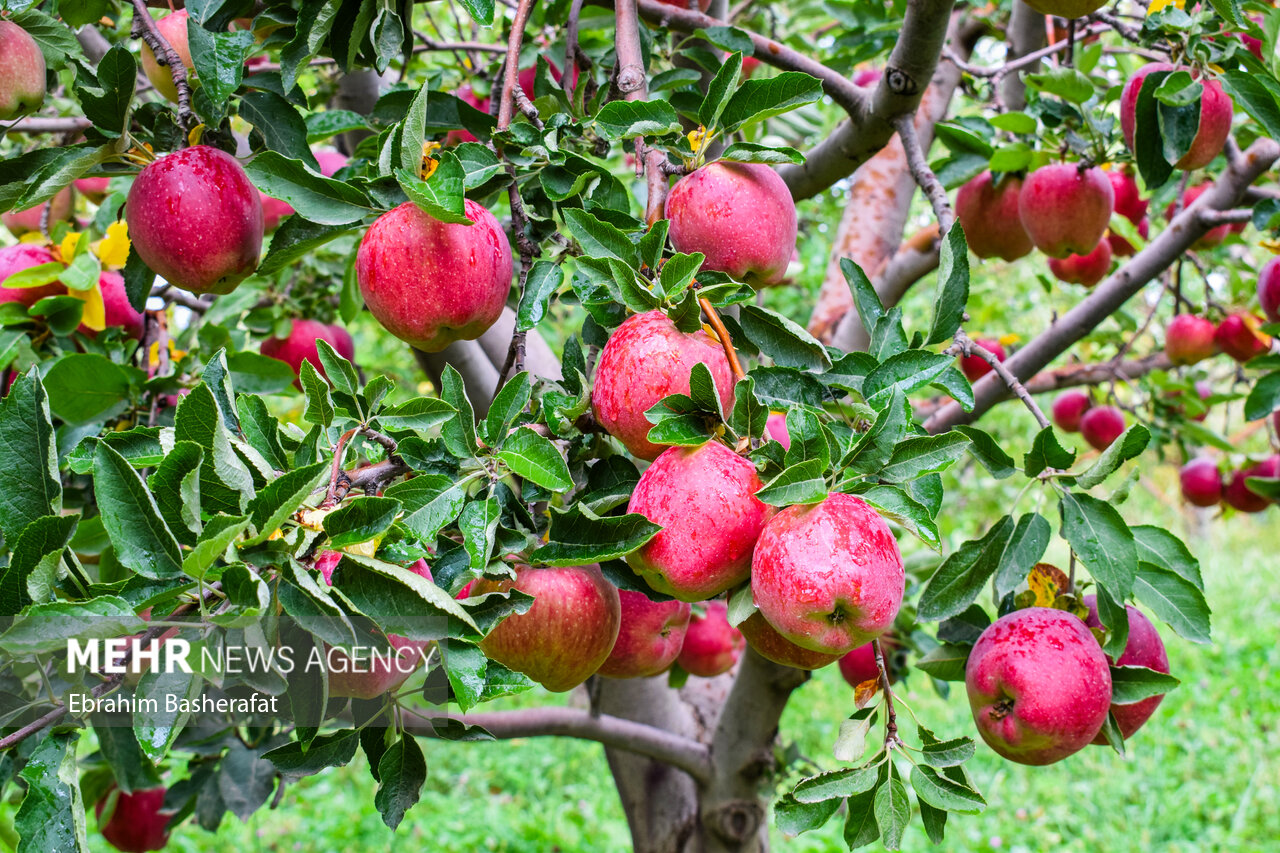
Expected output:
(174, 29)
(1215, 117)
(566, 635)
(1102, 425)
(771, 645)
(1201, 482)
(1214, 235)
(645, 359)
(371, 674)
(974, 367)
(1039, 685)
(21, 257)
(195, 220)
(740, 215)
(1237, 493)
(1066, 209)
(1252, 44)
(1143, 648)
(27, 221)
(431, 283)
(22, 72)
(988, 212)
(704, 5)
(116, 308)
(137, 823)
(94, 189)
(828, 576)
(865, 77)
(704, 498)
(1189, 339)
(1122, 248)
(711, 645)
(1269, 290)
(859, 665)
(776, 427)
(749, 66)
(330, 161)
(1083, 269)
(1129, 202)
(1239, 336)
(1069, 408)
(300, 345)
(650, 637)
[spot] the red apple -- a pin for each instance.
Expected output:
(1215, 117)
(859, 665)
(431, 283)
(867, 77)
(137, 823)
(1069, 408)
(22, 72)
(301, 346)
(1214, 235)
(776, 428)
(989, 214)
(371, 673)
(1129, 203)
(1189, 339)
(1143, 648)
(771, 645)
(645, 359)
(118, 312)
(27, 221)
(703, 5)
(1122, 248)
(1240, 336)
(195, 220)
(740, 215)
(1251, 43)
(749, 66)
(1083, 269)
(1039, 685)
(704, 498)
(649, 639)
(566, 635)
(1102, 425)
(174, 29)
(23, 256)
(828, 576)
(1201, 482)
(330, 161)
(1066, 209)
(1269, 290)
(975, 366)
(711, 645)
(94, 189)
(1237, 493)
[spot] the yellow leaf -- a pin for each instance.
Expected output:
(113, 249)
(196, 134)
(364, 549)
(67, 249)
(32, 237)
(1010, 339)
(94, 315)
(1271, 245)
(1046, 581)
(865, 692)
(698, 138)
(1158, 5)
(429, 163)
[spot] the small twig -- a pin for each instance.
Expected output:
(971, 347)
(174, 296)
(890, 713)
(1225, 217)
(331, 497)
(36, 124)
(144, 27)
(511, 74)
(924, 176)
(723, 334)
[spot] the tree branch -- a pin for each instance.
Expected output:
(1106, 298)
(511, 90)
(918, 163)
(688, 755)
(971, 347)
(144, 27)
(1026, 33)
(36, 124)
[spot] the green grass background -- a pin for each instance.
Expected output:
(1202, 775)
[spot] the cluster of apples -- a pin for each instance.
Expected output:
(1074, 411)
(1064, 209)
(1040, 686)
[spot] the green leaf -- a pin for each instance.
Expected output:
(396, 599)
(441, 196)
(802, 483)
(459, 434)
(956, 583)
(893, 810)
(1067, 83)
(793, 817)
(985, 450)
(479, 525)
(1026, 547)
(1101, 540)
(420, 413)
(860, 827)
(544, 279)
(283, 130)
(1130, 684)
(51, 816)
(907, 371)
(332, 750)
(865, 298)
(219, 60)
(753, 152)
(757, 100)
(1130, 444)
(953, 286)
(624, 119)
(86, 387)
(319, 409)
(1148, 137)
(360, 520)
(535, 458)
(28, 457)
(1248, 91)
(316, 198)
(507, 406)
(915, 457)
(157, 724)
(430, 502)
(401, 774)
(946, 662)
(944, 793)
(720, 90)
(1161, 548)
(1175, 600)
(600, 239)
(578, 536)
(107, 105)
(142, 540)
(948, 753)
(34, 563)
(44, 628)
(876, 446)
(1046, 452)
(340, 372)
(898, 506)
(481, 11)
(835, 784)
(1264, 397)
(55, 40)
(782, 339)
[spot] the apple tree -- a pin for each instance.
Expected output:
(614, 455)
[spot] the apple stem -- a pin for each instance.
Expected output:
(890, 713)
(723, 334)
(144, 27)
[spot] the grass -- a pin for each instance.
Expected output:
(1202, 775)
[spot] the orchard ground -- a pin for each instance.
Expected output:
(1203, 774)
